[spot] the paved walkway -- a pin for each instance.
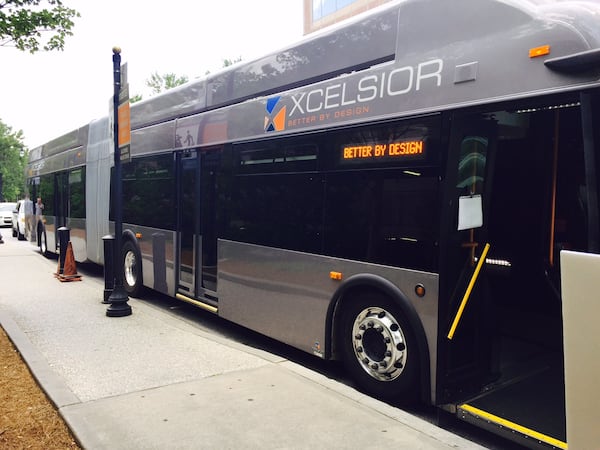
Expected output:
(153, 381)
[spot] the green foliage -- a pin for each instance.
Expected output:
(29, 26)
(230, 62)
(160, 83)
(13, 156)
(136, 98)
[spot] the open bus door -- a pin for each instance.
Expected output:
(503, 368)
(463, 365)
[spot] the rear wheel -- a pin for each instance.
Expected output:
(379, 349)
(44, 244)
(132, 269)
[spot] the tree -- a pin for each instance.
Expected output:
(136, 98)
(159, 83)
(13, 156)
(230, 62)
(29, 27)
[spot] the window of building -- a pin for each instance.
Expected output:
(322, 8)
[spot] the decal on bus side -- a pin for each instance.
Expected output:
(349, 98)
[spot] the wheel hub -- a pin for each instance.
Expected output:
(129, 268)
(379, 344)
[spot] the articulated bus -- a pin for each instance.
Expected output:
(393, 192)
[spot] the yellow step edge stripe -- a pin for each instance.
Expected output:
(514, 426)
(210, 308)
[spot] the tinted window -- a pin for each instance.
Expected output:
(148, 192)
(367, 193)
(77, 193)
(277, 157)
(46, 192)
(385, 217)
(277, 210)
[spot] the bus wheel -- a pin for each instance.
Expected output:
(132, 269)
(44, 244)
(379, 350)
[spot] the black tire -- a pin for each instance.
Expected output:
(379, 349)
(14, 232)
(44, 244)
(132, 269)
(20, 236)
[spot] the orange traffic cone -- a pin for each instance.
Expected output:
(70, 269)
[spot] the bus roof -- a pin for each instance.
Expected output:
(431, 54)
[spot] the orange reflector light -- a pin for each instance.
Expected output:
(138, 235)
(539, 51)
(335, 275)
(420, 290)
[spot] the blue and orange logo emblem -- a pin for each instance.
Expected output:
(275, 118)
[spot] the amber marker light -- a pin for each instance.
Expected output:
(138, 235)
(335, 275)
(420, 290)
(539, 51)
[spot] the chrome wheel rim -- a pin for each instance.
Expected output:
(379, 344)
(129, 266)
(43, 244)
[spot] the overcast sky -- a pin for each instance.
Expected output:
(51, 93)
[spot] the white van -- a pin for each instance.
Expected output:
(23, 210)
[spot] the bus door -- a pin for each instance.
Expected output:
(61, 198)
(53, 189)
(463, 359)
(196, 262)
(536, 205)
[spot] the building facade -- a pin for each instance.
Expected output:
(322, 13)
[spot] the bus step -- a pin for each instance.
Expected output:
(508, 429)
(530, 412)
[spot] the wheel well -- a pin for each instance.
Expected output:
(374, 285)
(129, 235)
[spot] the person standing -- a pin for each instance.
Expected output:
(39, 209)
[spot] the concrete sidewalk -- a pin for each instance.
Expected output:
(153, 381)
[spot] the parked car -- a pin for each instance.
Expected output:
(19, 218)
(6, 213)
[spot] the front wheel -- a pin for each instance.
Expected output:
(379, 349)
(132, 269)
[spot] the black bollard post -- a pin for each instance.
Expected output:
(109, 269)
(64, 236)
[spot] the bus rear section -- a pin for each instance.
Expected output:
(520, 181)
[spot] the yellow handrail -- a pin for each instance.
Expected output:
(465, 299)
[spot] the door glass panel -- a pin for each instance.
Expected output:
(208, 195)
(188, 222)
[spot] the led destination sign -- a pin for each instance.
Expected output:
(384, 152)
